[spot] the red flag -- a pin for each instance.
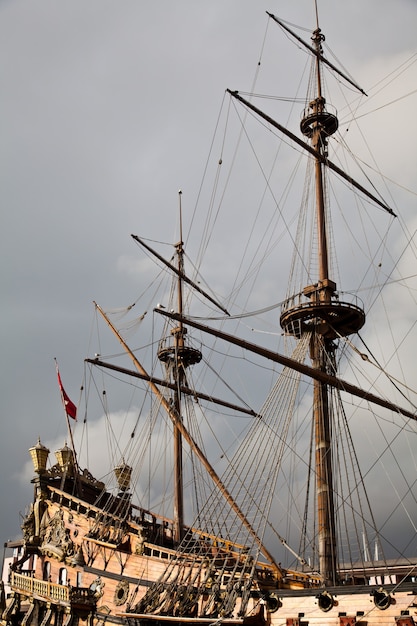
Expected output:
(70, 408)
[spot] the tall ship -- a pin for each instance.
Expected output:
(243, 485)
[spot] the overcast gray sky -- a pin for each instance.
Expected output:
(107, 109)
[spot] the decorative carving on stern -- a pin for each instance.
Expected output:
(57, 541)
(12, 607)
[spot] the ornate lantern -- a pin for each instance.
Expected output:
(39, 456)
(65, 458)
(123, 474)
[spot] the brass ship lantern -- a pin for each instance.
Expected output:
(65, 458)
(39, 455)
(123, 473)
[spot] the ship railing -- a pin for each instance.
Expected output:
(301, 300)
(27, 584)
(329, 108)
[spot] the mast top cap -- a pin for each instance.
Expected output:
(318, 35)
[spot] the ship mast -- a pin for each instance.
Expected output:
(320, 312)
(177, 356)
(319, 349)
(179, 375)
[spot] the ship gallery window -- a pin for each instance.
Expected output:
(62, 578)
(46, 570)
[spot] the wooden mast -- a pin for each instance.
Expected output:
(320, 348)
(320, 313)
(178, 372)
(177, 356)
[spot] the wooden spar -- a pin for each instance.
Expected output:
(333, 381)
(178, 620)
(317, 53)
(184, 432)
(179, 376)
(321, 349)
(163, 383)
(311, 150)
(180, 274)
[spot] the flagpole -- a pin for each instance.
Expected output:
(65, 401)
(76, 468)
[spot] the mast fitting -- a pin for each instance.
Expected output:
(316, 117)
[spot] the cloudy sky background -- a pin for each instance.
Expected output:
(106, 110)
